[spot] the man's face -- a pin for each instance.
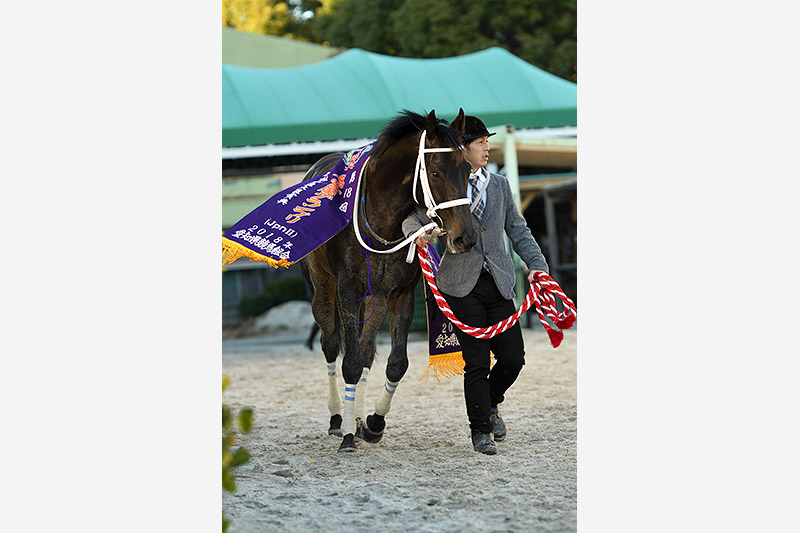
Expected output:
(477, 152)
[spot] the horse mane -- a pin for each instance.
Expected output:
(409, 122)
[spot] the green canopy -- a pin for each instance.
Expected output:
(352, 95)
(268, 51)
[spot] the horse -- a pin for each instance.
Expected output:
(347, 280)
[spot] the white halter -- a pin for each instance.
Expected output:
(421, 175)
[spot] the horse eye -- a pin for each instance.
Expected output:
(435, 174)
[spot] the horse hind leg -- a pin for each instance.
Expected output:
(401, 311)
(334, 402)
(353, 363)
(323, 307)
(330, 347)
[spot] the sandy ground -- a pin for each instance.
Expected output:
(423, 475)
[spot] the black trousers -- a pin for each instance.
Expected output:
(484, 389)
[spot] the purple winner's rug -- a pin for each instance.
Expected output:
(299, 219)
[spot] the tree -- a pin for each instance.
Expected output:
(542, 32)
(362, 24)
(300, 22)
(428, 28)
(256, 16)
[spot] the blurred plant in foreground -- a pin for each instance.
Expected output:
(232, 458)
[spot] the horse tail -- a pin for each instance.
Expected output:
(323, 164)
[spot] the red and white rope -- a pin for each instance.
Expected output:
(542, 294)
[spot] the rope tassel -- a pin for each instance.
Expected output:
(542, 294)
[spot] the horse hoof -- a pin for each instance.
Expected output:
(348, 443)
(336, 426)
(378, 424)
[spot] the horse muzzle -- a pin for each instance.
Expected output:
(461, 241)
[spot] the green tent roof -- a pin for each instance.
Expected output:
(268, 51)
(352, 95)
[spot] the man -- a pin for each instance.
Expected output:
(479, 287)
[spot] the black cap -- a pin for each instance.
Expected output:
(474, 129)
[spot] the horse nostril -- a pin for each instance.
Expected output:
(463, 244)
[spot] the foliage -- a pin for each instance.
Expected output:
(256, 16)
(233, 458)
(435, 29)
(299, 25)
(284, 290)
(542, 32)
(362, 24)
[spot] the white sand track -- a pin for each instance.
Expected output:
(423, 475)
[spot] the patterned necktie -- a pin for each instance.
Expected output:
(473, 180)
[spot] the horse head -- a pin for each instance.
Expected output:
(447, 173)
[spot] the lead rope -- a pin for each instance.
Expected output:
(369, 289)
(542, 293)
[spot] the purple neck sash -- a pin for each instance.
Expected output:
(300, 218)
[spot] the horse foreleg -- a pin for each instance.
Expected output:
(369, 332)
(401, 311)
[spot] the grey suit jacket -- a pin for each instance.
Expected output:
(458, 273)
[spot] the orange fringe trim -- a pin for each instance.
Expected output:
(448, 365)
(231, 251)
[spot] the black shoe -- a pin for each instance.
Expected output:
(483, 442)
(498, 424)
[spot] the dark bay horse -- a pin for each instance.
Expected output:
(349, 283)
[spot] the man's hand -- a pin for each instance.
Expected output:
(424, 239)
(531, 273)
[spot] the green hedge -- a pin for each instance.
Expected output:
(284, 290)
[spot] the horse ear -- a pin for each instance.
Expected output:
(459, 123)
(430, 124)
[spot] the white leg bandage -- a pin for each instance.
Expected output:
(349, 416)
(334, 403)
(384, 402)
(361, 395)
